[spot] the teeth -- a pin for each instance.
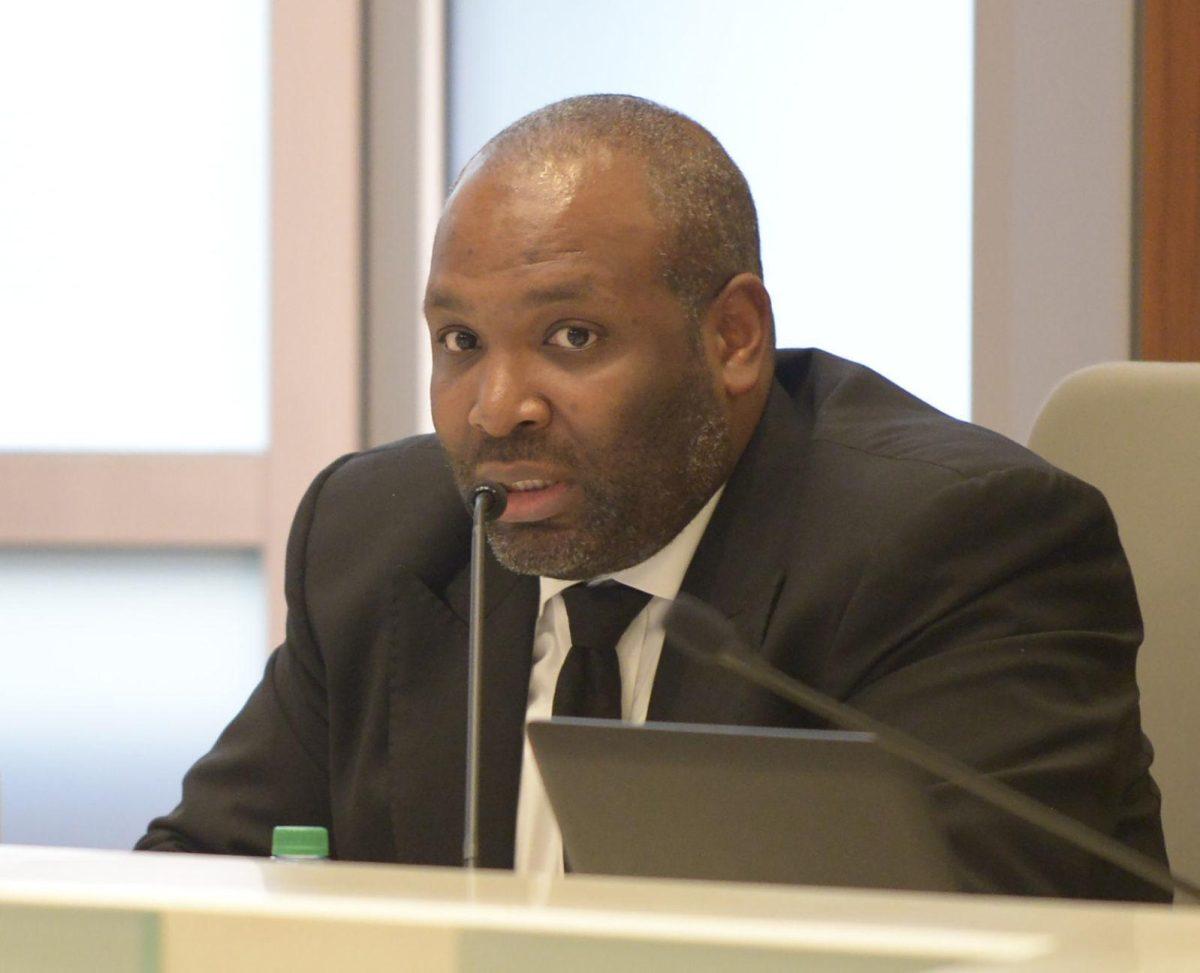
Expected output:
(522, 485)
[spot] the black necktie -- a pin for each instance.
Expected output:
(590, 681)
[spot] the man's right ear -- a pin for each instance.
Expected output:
(742, 328)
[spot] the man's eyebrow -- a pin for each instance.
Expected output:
(445, 301)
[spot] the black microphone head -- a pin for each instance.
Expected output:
(700, 630)
(494, 497)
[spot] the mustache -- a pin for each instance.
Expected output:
(517, 447)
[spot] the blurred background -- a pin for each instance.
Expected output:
(214, 225)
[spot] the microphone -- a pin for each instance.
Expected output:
(706, 635)
(492, 496)
(487, 502)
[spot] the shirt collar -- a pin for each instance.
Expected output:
(661, 574)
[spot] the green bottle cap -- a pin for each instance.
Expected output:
(299, 841)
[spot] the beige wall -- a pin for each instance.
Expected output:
(1054, 109)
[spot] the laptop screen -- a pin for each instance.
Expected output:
(745, 804)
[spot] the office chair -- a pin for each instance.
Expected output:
(1133, 430)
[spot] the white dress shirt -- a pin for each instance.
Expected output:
(538, 841)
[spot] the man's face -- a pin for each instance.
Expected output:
(565, 369)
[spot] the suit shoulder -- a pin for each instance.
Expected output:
(407, 481)
(854, 408)
(395, 503)
(411, 463)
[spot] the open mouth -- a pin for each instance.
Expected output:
(537, 490)
(524, 486)
(530, 501)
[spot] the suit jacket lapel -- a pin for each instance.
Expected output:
(427, 726)
(740, 566)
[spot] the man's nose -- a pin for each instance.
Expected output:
(507, 399)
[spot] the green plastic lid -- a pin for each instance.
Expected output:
(299, 841)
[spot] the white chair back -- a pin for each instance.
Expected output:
(1133, 430)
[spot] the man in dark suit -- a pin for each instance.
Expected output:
(603, 346)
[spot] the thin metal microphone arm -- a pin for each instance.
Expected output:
(487, 503)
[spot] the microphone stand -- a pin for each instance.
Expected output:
(487, 503)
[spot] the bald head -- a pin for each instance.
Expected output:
(709, 229)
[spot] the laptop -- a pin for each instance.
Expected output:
(745, 804)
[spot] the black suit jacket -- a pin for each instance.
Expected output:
(934, 574)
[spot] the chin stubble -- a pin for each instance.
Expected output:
(639, 491)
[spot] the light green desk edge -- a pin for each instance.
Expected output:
(65, 940)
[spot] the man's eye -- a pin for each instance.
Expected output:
(574, 337)
(456, 340)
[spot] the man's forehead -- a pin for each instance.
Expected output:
(553, 186)
(522, 215)
(538, 288)
(556, 167)
(553, 175)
